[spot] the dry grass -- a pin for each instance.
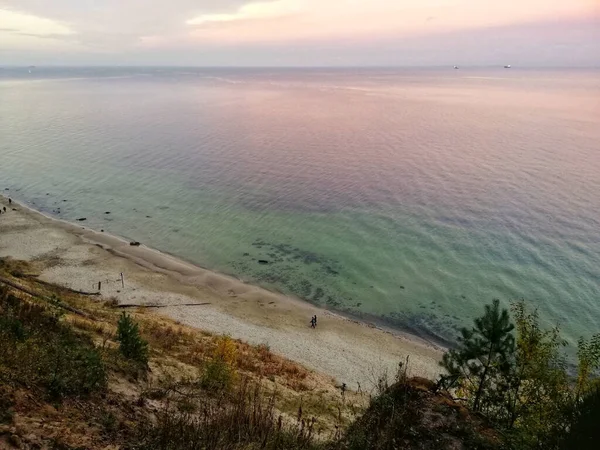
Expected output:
(93, 327)
(179, 353)
(259, 359)
(112, 302)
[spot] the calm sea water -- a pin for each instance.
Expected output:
(412, 196)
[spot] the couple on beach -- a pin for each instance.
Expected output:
(313, 322)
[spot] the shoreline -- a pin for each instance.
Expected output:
(344, 347)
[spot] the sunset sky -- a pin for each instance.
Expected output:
(300, 32)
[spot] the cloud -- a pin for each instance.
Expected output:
(251, 11)
(166, 30)
(118, 24)
(24, 23)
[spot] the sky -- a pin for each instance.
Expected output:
(300, 32)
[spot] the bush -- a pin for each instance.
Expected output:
(75, 369)
(410, 415)
(523, 386)
(220, 372)
(131, 344)
(38, 350)
(584, 433)
(242, 419)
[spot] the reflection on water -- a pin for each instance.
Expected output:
(412, 196)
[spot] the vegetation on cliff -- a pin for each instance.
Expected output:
(79, 373)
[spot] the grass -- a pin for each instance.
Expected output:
(67, 357)
(183, 399)
(243, 419)
(39, 351)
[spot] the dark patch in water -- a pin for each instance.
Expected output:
(425, 324)
(330, 271)
(304, 288)
(318, 295)
(332, 302)
(285, 252)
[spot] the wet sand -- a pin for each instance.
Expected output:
(77, 257)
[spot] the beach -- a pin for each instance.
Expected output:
(72, 255)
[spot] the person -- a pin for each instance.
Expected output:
(312, 322)
(315, 321)
(9, 200)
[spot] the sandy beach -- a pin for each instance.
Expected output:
(77, 257)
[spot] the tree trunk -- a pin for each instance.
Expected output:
(482, 380)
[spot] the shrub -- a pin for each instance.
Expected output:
(38, 350)
(243, 419)
(409, 415)
(220, 372)
(131, 344)
(523, 387)
(584, 432)
(74, 369)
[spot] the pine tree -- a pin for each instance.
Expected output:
(484, 351)
(131, 344)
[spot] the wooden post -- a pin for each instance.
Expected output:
(99, 285)
(122, 281)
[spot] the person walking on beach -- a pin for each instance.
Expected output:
(313, 322)
(315, 319)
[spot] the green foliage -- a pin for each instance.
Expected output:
(38, 351)
(584, 432)
(483, 355)
(523, 387)
(220, 372)
(537, 390)
(131, 344)
(588, 353)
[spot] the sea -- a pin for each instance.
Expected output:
(408, 197)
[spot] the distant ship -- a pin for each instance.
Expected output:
(456, 67)
(507, 66)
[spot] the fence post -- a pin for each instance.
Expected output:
(122, 281)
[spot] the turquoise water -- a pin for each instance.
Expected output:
(410, 196)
